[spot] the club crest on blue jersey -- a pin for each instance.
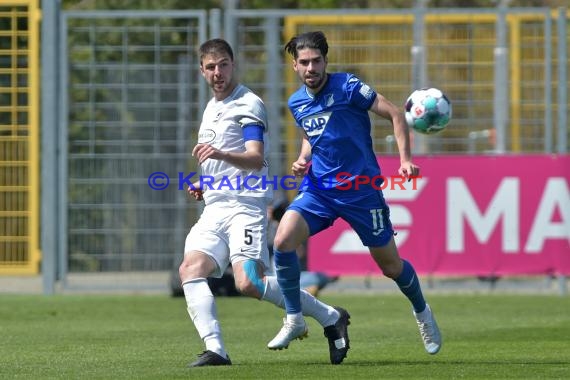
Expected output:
(315, 125)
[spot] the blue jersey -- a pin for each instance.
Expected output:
(337, 124)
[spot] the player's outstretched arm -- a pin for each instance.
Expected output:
(386, 109)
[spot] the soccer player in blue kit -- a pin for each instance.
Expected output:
(332, 110)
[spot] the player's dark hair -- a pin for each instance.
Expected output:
(309, 40)
(215, 46)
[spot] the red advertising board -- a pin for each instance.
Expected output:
(467, 215)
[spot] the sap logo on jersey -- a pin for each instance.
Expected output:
(315, 125)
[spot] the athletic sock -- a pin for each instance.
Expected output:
(288, 277)
(203, 312)
(324, 314)
(409, 284)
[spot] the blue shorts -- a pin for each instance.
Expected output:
(366, 212)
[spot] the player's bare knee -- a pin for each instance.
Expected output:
(391, 270)
(187, 272)
(249, 280)
(280, 245)
(284, 243)
(197, 266)
(184, 268)
(247, 288)
(389, 274)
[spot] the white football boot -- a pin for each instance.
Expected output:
(429, 331)
(288, 332)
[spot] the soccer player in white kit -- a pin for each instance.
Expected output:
(231, 151)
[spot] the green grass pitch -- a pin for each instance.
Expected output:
(151, 337)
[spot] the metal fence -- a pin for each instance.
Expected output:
(503, 69)
(129, 98)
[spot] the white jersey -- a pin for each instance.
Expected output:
(221, 127)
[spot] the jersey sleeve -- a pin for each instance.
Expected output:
(294, 104)
(253, 113)
(359, 93)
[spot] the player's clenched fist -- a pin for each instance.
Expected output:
(204, 151)
(299, 168)
(196, 193)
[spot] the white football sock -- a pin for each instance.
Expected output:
(203, 312)
(324, 314)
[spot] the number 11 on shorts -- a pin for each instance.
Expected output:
(377, 221)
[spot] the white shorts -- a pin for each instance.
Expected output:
(231, 230)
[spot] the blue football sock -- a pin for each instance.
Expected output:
(288, 276)
(410, 285)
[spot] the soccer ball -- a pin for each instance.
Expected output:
(428, 110)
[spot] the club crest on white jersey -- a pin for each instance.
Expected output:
(315, 125)
(206, 136)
